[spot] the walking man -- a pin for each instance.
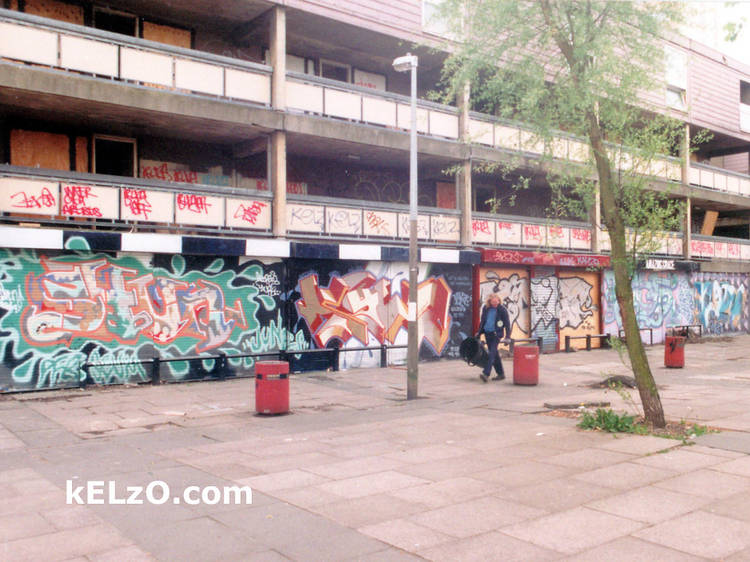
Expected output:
(495, 325)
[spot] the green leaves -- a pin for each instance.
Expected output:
(608, 420)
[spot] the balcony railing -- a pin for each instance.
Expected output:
(719, 179)
(40, 41)
(529, 233)
(323, 216)
(311, 94)
(53, 197)
(719, 248)
(88, 200)
(497, 133)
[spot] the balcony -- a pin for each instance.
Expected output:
(88, 200)
(319, 96)
(76, 201)
(718, 179)
(58, 45)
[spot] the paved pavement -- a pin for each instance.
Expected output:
(470, 471)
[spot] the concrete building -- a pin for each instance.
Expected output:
(231, 178)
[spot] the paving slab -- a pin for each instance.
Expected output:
(727, 440)
(573, 530)
(701, 533)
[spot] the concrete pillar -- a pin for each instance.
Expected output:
(687, 236)
(277, 141)
(595, 217)
(277, 36)
(685, 155)
(463, 178)
(277, 173)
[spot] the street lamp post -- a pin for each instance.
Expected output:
(405, 64)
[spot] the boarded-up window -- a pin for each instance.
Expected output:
(82, 154)
(167, 34)
(446, 195)
(55, 9)
(39, 150)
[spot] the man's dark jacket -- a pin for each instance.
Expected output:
(502, 322)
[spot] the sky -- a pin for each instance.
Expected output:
(706, 20)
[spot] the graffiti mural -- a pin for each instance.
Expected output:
(544, 306)
(116, 313)
(102, 301)
(721, 302)
(662, 299)
(513, 287)
(579, 298)
(358, 304)
(365, 304)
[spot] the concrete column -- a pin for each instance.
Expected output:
(277, 36)
(687, 235)
(463, 178)
(685, 155)
(277, 173)
(596, 221)
(277, 142)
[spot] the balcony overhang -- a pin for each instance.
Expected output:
(37, 93)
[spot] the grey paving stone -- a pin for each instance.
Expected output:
(629, 549)
(488, 546)
(701, 533)
(730, 440)
(573, 530)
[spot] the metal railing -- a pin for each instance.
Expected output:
(222, 370)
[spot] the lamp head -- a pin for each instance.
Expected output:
(405, 63)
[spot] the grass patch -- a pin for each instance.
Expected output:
(612, 422)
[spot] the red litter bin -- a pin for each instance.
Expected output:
(526, 364)
(272, 387)
(674, 351)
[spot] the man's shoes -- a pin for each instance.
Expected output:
(498, 377)
(483, 377)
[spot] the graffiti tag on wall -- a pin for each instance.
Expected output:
(662, 299)
(117, 313)
(575, 302)
(513, 294)
(721, 302)
(99, 300)
(360, 305)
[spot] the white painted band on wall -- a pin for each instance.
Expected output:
(436, 255)
(151, 243)
(39, 238)
(267, 248)
(359, 252)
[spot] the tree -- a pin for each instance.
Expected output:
(588, 68)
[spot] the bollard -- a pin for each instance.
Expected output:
(155, 374)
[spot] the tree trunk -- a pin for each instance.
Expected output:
(652, 408)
